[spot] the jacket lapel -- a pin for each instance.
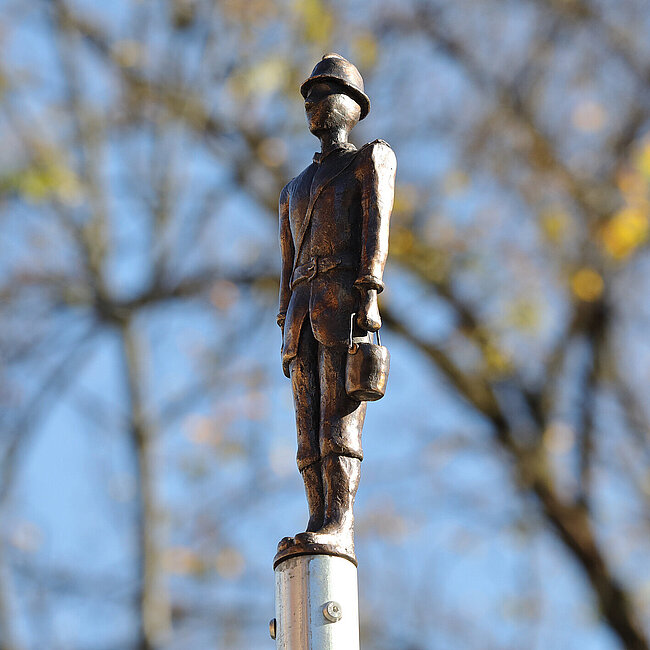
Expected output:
(319, 182)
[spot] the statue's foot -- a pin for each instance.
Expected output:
(341, 540)
(317, 543)
(285, 543)
(314, 537)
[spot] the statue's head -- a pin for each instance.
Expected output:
(334, 96)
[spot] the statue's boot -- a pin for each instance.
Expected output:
(313, 479)
(341, 478)
(285, 543)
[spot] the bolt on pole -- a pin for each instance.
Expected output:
(316, 604)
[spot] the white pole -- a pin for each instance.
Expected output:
(316, 604)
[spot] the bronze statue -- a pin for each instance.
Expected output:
(334, 220)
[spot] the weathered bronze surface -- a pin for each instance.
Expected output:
(334, 220)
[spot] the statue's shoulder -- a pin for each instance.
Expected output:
(286, 192)
(377, 144)
(288, 188)
(304, 176)
(378, 153)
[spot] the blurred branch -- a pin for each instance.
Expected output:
(637, 422)
(543, 154)
(89, 140)
(472, 327)
(16, 440)
(581, 12)
(584, 13)
(571, 520)
(184, 103)
(152, 601)
(596, 341)
(52, 387)
(151, 93)
(8, 640)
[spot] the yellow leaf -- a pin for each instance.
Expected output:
(317, 20)
(401, 241)
(587, 284)
(33, 185)
(405, 201)
(51, 179)
(625, 231)
(498, 362)
(264, 77)
(554, 224)
(365, 50)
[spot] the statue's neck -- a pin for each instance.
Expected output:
(332, 140)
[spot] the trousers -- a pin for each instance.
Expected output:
(328, 421)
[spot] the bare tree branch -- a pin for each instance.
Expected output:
(570, 520)
(152, 600)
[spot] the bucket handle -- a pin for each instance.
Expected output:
(350, 343)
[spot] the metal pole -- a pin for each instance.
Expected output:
(316, 604)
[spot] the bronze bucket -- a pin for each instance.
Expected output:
(366, 371)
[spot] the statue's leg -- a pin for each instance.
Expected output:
(341, 421)
(313, 479)
(341, 476)
(305, 385)
(341, 417)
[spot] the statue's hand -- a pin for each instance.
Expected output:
(368, 317)
(285, 365)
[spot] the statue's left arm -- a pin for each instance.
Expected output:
(377, 171)
(287, 252)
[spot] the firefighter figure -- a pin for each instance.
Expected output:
(334, 220)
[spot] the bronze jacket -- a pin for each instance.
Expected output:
(334, 220)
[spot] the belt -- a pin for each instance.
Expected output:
(307, 272)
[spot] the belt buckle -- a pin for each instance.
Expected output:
(312, 269)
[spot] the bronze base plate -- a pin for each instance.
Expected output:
(312, 549)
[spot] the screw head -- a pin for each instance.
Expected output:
(273, 628)
(332, 611)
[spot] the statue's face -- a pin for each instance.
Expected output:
(329, 107)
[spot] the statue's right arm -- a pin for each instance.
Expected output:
(287, 252)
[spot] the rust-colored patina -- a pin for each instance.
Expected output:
(334, 220)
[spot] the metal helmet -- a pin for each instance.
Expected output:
(334, 67)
